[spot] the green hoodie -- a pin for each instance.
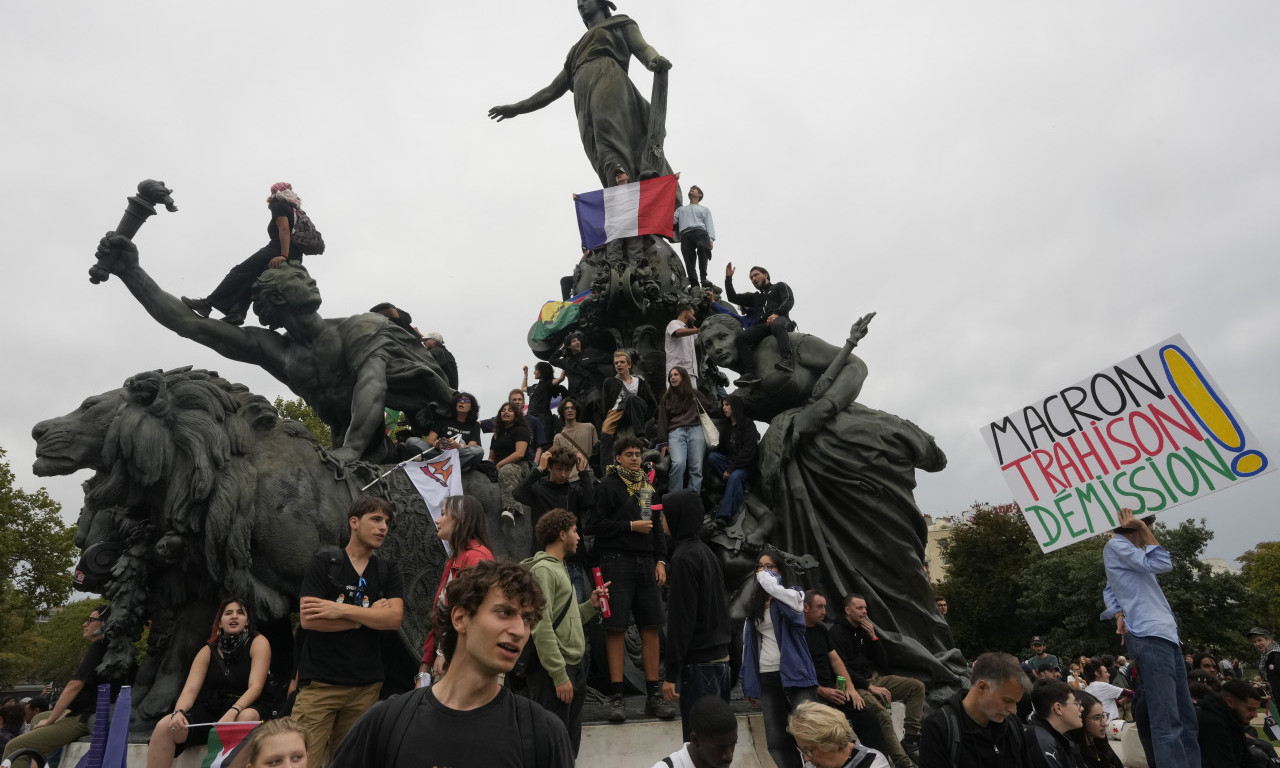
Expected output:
(567, 643)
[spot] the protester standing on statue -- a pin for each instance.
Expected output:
(775, 301)
(467, 718)
(697, 232)
(613, 118)
(629, 400)
(678, 342)
(1147, 626)
(545, 388)
(348, 598)
(584, 370)
(680, 429)
(232, 296)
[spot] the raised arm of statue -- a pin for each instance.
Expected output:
(367, 401)
(250, 345)
(640, 48)
(559, 87)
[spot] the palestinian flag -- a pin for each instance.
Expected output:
(225, 740)
(557, 315)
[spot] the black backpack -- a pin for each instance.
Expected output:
(305, 235)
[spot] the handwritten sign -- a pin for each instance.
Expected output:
(1150, 433)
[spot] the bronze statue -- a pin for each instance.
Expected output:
(614, 120)
(839, 477)
(347, 369)
(201, 490)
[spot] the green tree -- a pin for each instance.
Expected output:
(1261, 567)
(300, 411)
(36, 554)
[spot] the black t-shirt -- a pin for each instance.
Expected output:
(86, 701)
(279, 208)
(352, 656)
(462, 432)
(487, 737)
(505, 444)
(541, 393)
(820, 647)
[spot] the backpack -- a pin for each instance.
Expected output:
(530, 653)
(401, 709)
(305, 234)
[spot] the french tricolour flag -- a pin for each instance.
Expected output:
(640, 208)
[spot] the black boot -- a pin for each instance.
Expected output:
(201, 307)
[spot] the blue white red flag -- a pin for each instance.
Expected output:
(640, 208)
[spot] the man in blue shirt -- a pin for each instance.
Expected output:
(697, 232)
(1144, 619)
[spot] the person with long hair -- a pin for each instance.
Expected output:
(462, 432)
(278, 744)
(463, 529)
(680, 428)
(735, 457)
(777, 670)
(232, 296)
(1092, 736)
(509, 452)
(545, 388)
(225, 684)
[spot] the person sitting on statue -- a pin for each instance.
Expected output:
(735, 457)
(509, 452)
(697, 232)
(775, 301)
(582, 366)
(225, 684)
(348, 369)
(461, 433)
(630, 402)
(545, 388)
(232, 296)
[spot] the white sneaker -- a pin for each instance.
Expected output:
(508, 516)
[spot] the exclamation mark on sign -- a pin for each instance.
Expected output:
(1209, 410)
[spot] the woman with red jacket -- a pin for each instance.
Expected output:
(466, 536)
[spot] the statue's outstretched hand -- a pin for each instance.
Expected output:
(659, 64)
(859, 328)
(504, 112)
(117, 254)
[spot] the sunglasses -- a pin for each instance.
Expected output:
(464, 400)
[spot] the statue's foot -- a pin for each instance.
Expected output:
(201, 307)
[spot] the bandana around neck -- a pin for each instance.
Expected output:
(636, 483)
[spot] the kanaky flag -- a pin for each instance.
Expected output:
(435, 480)
(640, 208)
(224, 738)
(557, 315)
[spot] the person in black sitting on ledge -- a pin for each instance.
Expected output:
(774, 300)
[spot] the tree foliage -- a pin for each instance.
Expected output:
(36, 554)
(300, 411)
(1001, 590)
(1261, 567)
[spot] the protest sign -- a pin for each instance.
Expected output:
(1150, 433)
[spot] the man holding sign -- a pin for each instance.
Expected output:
(1147, 626)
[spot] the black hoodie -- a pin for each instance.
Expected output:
(697, 608)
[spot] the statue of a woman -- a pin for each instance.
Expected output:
(613, 118)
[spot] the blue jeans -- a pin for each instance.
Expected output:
(687, 447)
(734, 489)
(1162, 675)
(697, 680)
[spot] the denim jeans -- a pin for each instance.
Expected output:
(735, 488)
(777, 704)
(687, 447)
(697, 680)
(1162, 675)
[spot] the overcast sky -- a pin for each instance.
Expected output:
(1024, 192)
